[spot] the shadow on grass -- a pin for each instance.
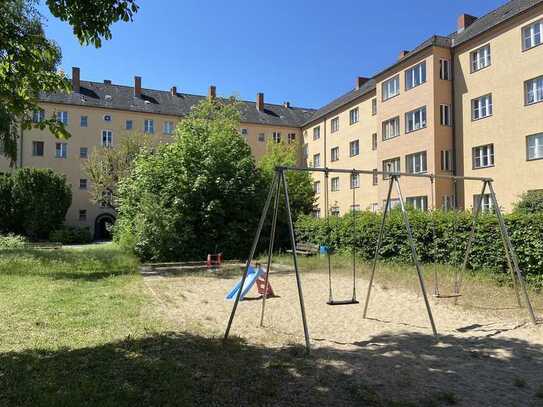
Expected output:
(186, 369)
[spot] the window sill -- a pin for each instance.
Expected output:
(391, 138)
(482, 168)
(528, 49)
(533, 103)
(414, 131)
(414, 87)
(481, 118)
(534, 159)
(480, 69)
(391, 97)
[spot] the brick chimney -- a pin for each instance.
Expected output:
(173, 91)
(402, 54)
(76, 83)
(260, 101)
(464, 21)
(360, 80)
(212, 92)
(137, 86)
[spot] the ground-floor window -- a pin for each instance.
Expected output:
(417, 202)
(486, 203)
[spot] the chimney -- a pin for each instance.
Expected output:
(260, 101)
(76, 83)
(212, 92)
(286, 104)
(464, 21)
(173, 91)
(137, 86)
(360, 80)
(107, 82)
(403, 54)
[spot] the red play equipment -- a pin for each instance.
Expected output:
(214, 260)
(261, 286)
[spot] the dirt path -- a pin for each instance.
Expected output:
(483, 357)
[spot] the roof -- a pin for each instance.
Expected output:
(111, 96)
(492, 19)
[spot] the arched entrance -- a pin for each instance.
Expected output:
(102, 226)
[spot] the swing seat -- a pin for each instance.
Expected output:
(343, 302)
(447, 295)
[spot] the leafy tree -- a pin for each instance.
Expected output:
(199, 194)
(29, 61)
(6, 203)
(530, 202)
(107, 166)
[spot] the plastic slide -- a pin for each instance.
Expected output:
(252, 276)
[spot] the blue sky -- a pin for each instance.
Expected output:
(306, 52)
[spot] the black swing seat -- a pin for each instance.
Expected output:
(447, 295)
(343, 302)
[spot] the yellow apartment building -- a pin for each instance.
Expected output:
(466, 104)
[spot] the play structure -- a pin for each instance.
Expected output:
(254, 275)
(214, 260)
(280, 182)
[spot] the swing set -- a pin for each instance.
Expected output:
(280, 182)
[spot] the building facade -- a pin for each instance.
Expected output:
(465, 104)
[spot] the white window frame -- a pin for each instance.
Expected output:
(445, 116)
(374, 142)
(276, 136)
(317, 187)
(415, 76)
(446, 160)
(106, 140)
(334, 154)
(291, 138)
(61, 152)
(445, 69)
(316, 133)
(535, 148)
(480, 58)
(393, 203)
(334, 125)
(532, 35)
(262, 137)
(354, 181)
(305, 150)
(86, 155)
(354, 148)
(38, 116)
(167, 127)
(317, 160)
(416, 163)
(483, 156)
(449, 202)
(149, 126)
(353, 116)
(419, 203)
(486, 204)
(62, 117)
(84, 121)
(334, 184)
(481, 107)
(374, 106)
(334, 211)
(375, 177)
(390, 87)
(34, 149)
(391, 128)
(533, 90)
(394, 167)
(316, 212)
(416, 120)
(129, 127)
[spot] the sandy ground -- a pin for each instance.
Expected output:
(483, 356)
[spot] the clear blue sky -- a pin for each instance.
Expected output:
(306, 52)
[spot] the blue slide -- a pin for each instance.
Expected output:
(252, 276)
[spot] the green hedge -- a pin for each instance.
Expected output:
(451, 230)
(71, 235)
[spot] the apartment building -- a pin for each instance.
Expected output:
(468, 103)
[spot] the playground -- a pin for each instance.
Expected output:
(485, 336)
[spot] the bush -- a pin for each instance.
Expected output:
(11, 241)
(71, 235)
(452, 230)
(6, 203)
(530, 202)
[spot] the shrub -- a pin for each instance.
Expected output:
(6, 203)
(71, 235)
(530, 202)
(11, 241)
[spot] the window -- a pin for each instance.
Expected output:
(62, 117)
(261, 137)
(335, 184)
(446, 162)
(305, 151)
(334, 124)
(374, 141)
(481, 107)
(480, 58)
(533, 90)
(354, 148)
(38, 116)
(355, 208)
(61, 150)
(391, 88)
(291, 138)
(391, 165)
(317, 187)
(535, 147)
(84, 121)
(107, 117)
(316, 160)
(417, 202)
(373, 106)
(415, 120)
(355, 181)
(317, 133)
(128, 125)
(83, 152)
(107, 199)
(445, 115)
(334, 211)
(107, 138)
(82, 183)
(82, 215)
(375, 177)
(415, 76)
(149, 126)
(37, 148)
(416, 163)
(168, 127)
(483, 156)
(449, 202)
(316, 212)
(334, 154)
(353, 116)
(375, 207)
(395, 202)
(244, 132)
(486, 202)
(276, 137)
(532, 34)
(391, 128)
(445, 69)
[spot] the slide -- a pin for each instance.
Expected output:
(252, 276)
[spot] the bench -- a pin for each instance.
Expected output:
(44, 245)
(306, 249)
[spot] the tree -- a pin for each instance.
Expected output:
(199, 194)
(530, 202)
(29, 61)
(107, 166)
